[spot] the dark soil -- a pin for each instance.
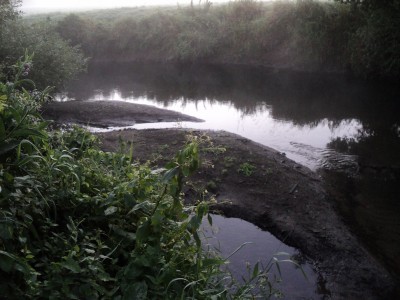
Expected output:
(261, 185)
(110, 113)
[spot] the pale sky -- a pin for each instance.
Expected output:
(29, 5)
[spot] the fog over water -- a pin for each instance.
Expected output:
(36, 6)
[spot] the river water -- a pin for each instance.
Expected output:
(347, 130)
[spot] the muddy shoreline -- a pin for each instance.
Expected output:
(280, 196)
(252, 182)
(106, 114)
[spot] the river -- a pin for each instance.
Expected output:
(345, 129)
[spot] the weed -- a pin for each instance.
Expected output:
(229, 161)
(246, 169)
(212, 186)
(163, 148)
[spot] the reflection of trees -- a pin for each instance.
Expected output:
(304, 99)
(369, 201)
(376, 145)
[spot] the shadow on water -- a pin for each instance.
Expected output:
(304, 99)
(228, 234)
(347, 128)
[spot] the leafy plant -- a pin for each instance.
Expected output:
(20, 123)
(246, 169)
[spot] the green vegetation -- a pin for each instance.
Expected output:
(360, 36)
(79, 223)
(246, 169)
(55, 60)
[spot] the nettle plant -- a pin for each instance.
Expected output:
(80, 223)
(20, 121)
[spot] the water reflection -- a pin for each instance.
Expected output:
(328, 122)
(227, 235)
(299, 98)
(275, 109)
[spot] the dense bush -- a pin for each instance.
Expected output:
(56, 61)
(8, 10)
(375, 45)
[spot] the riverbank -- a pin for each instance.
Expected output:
(261, 185)
(110, 113)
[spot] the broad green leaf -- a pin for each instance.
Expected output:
(255, 270)
(9, 146)
(104, 276)
(71, 265)
(170, 174)
(6, 231)
(197, 239)
(8, 177)
(194, 223)
(185, 171)
(145, 206)
(157, 219)
(128, 235)
(212, 262)
(26, 132)
(110, 210)
(7, 261)
(143, 231)
(157, 171)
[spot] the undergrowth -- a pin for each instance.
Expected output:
(80, 223)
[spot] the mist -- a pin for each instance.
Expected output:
(38, 6)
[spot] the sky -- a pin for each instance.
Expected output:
(48, 5)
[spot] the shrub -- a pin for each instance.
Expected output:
(55, 60)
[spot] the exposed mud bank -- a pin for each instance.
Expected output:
(278, 195)
(110, 113)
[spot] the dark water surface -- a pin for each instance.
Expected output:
(226, 235)
(345, 129)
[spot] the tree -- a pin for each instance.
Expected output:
(8, 10)
(55, 60)
(371, 4)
